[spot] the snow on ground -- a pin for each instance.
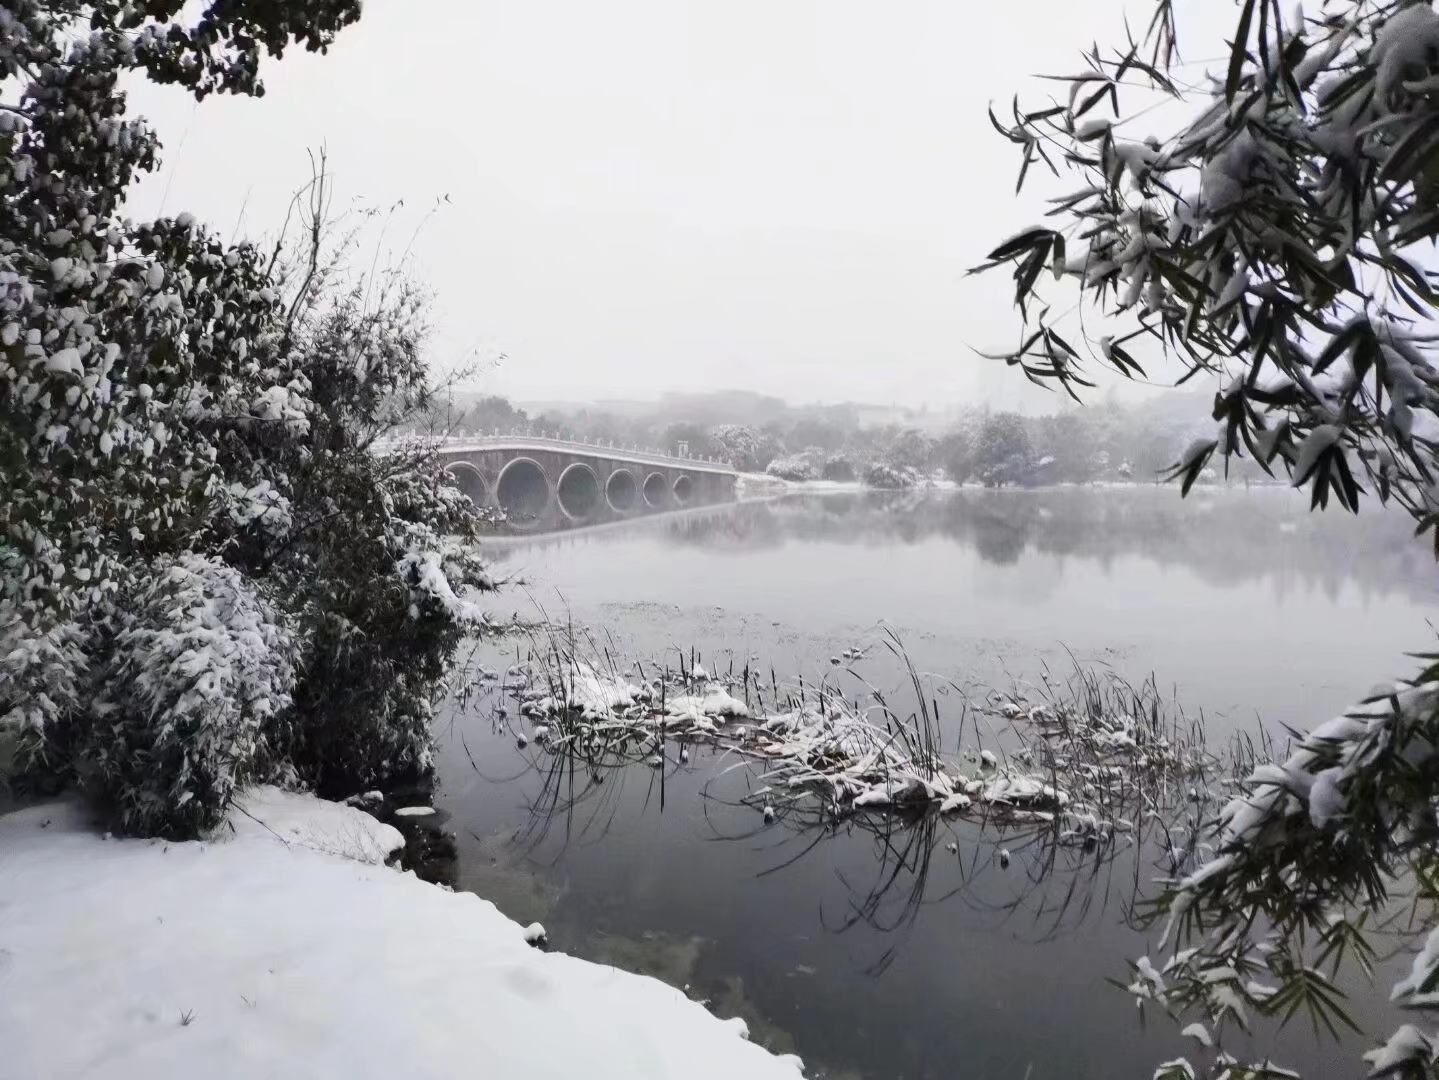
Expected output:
(312, 823)
(264, 953)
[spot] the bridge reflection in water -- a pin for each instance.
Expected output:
(543, 484)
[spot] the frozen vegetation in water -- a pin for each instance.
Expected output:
(1088, 757)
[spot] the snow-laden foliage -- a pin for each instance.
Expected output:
(167, 397)
(115, 333)
(1271, 238)
(798, 468)
(382, 631)
(1002, 453)
(44, 672)
(188, 696)
(738, 445)
(887, 477)
(838, 468)
(1299, 867)
(1274, 239)
(910, 449)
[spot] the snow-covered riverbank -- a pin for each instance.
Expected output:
(287, 948)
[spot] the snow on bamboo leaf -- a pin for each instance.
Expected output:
(1264, 223)
(1420, 988)
(1409, 1052)
(1317, 443)
(1261, 243)
(199, 669)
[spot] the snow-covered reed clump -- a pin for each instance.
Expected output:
(1088, 755)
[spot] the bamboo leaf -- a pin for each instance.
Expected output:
(1239, 52)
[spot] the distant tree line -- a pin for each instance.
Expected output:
(1101, 442)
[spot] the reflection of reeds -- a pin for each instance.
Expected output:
(1140, 777)
(1067, 775)
(1044, 804)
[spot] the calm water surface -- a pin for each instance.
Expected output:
(875, 952)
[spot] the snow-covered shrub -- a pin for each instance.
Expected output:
(382, 571)
(738, 445)
(838, 468)
(797, 468)
(385, 594)
(887, 477)
(191, 691)
(41, 671)
(44, 677)
(1299, 861)
(186, 428)
(1002, 452)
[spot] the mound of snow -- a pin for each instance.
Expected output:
(597, 693)
(715, 701)
(303, 820)
(267, 954)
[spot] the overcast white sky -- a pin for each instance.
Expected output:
(650, 195)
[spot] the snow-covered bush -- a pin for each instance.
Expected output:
(797, 468)
(41, 671)
(887, 477)
(1002, 451)
(381, 622)
(1276, 241)
(187, 427)
(738, 445)
(838, 468)
(189, 696)
(44, 677)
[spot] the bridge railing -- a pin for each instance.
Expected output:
(520, 440)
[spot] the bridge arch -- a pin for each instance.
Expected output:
(622, 491)
(578, 492)
(523, 492)
(684, 490)
(656, 490)
(470, 481)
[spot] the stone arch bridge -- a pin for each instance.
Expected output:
(544, 483)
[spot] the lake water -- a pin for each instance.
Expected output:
(875, 951)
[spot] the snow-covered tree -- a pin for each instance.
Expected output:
(955, 452)
(797, 467)
(1070, 439)
(911, 449)
(838, 468)
(1275, 240)
(1002, 453)
(883, 476)
(493, 413)
(738, 445)
(693, 437)
(185, 450)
